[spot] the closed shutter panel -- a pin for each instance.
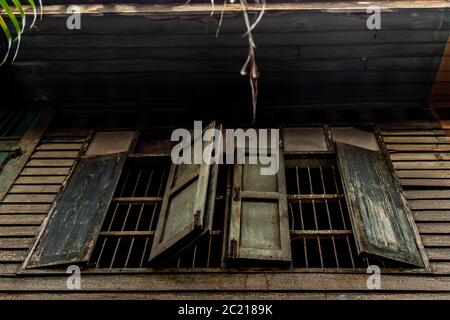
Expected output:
(377, 209)
(259, 223)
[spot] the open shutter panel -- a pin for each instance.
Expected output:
(259, 223)
(78, 214)
(186, 212)
(76, 218)
(378, 212)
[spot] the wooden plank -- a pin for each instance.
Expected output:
(22, 219)
(440, 267)
(436, 240)
(435, 204)
(419, 156)
(431, 174)
(433, 227)
(418, 147)
(427, 194)
(410, 133)
(27, 145)
(40, 180)
(417, 140)
(432, 215)
(29, 198)
(34, 189)
(45, 171)
(24, 208)
(425, 182)
(55, 155)
(12, 231)
(438, 254)
(9, 268)
(59, 146)
(51, 163)
(16, 243)
(231, 282)
(67, 133)
(432, 165)
(12, 255)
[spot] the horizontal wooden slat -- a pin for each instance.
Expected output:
(230, 282)
(419, 156)
(9, 268)
(417, 140)
(16, 243)
(10, 231)
(25, 219)
(59, 146)
(427, 194)
(67, 133)
(433, 228)
(34, 189)
(429, 204)
(45, 171)
(436, 240)
(63, 140)
(432, 215)
(433, 174)
(55, 155)
(438, 253)
(12, 255)
(431, 132)
(418, 147)
(29, 198)
(431, 165)
(426, 182)
(51, 163)
(24, 208)
(40, 180)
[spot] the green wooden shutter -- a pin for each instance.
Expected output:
(378, 211)
(259, 223)
(77, 216)
(187, 207)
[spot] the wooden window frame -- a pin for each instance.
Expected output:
(375, 129)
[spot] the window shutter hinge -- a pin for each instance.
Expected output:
(237, 193)
(197, 218)
(233, 248)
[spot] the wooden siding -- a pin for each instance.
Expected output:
(28, 201)
(421, 160)
(151, 57)
(427, 197)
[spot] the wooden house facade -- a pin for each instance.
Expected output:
(87, 179)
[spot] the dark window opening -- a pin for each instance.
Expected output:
(128, 230)
(320, 226)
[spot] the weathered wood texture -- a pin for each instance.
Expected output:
(76, 218)
(379, 214)
(28, 201)
(308, 57)
(420, 158)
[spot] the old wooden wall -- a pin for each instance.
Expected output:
(171, 60)
(28, 202)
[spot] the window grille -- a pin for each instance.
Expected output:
(127, 233)
(320, 226)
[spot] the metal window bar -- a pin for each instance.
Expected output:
(128, 230)
(321, 234)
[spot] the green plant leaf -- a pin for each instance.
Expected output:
(22, 14)
(33, 6)
(11, 16)
(5, 29)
